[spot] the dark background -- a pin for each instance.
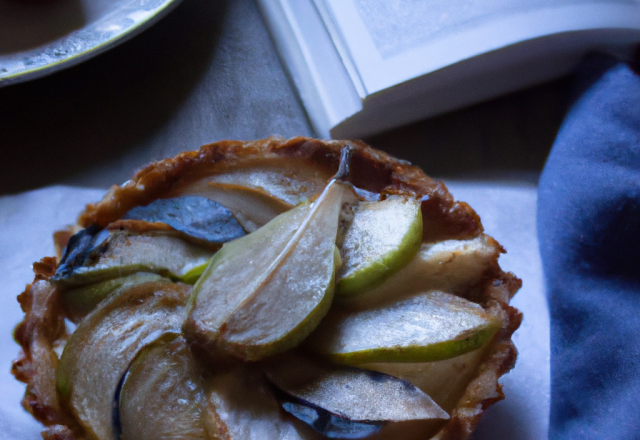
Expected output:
(209, 71)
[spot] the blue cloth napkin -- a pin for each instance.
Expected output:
(589, 233)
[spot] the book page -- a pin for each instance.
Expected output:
(398, 25)
(384, 43)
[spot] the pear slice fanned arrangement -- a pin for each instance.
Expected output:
(257, 298)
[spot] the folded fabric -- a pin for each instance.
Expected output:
(589, 234)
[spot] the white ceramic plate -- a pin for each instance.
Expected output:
(38, 37)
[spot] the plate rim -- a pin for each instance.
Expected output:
(90, 52)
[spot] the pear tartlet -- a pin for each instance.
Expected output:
(275, 289)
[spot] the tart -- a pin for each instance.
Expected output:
(274, 289)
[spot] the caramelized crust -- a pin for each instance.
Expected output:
(445, 218)
(38, 334)
(371, 170)
(59, 432)
(43, 326)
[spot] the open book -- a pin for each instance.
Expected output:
(365, 66)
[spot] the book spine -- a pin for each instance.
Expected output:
(313, 62)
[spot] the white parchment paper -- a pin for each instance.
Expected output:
(508, 213)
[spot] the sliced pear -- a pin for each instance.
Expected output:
(326, 423)
(382, 238)
(103, 345)
(280, 177)
(444, 381)
(193, 275)
(241, 404)
(427, 327)
(258, 191)
(264, 293)
(232, 271)
(252, 207)
(114, 254)
(79, 302)
(351, 393)
(163, 394)
(450, 266)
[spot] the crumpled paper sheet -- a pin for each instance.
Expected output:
(28, 220)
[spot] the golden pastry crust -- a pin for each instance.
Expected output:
(371, 170)
(42, 329)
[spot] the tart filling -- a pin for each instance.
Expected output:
(337, 293)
